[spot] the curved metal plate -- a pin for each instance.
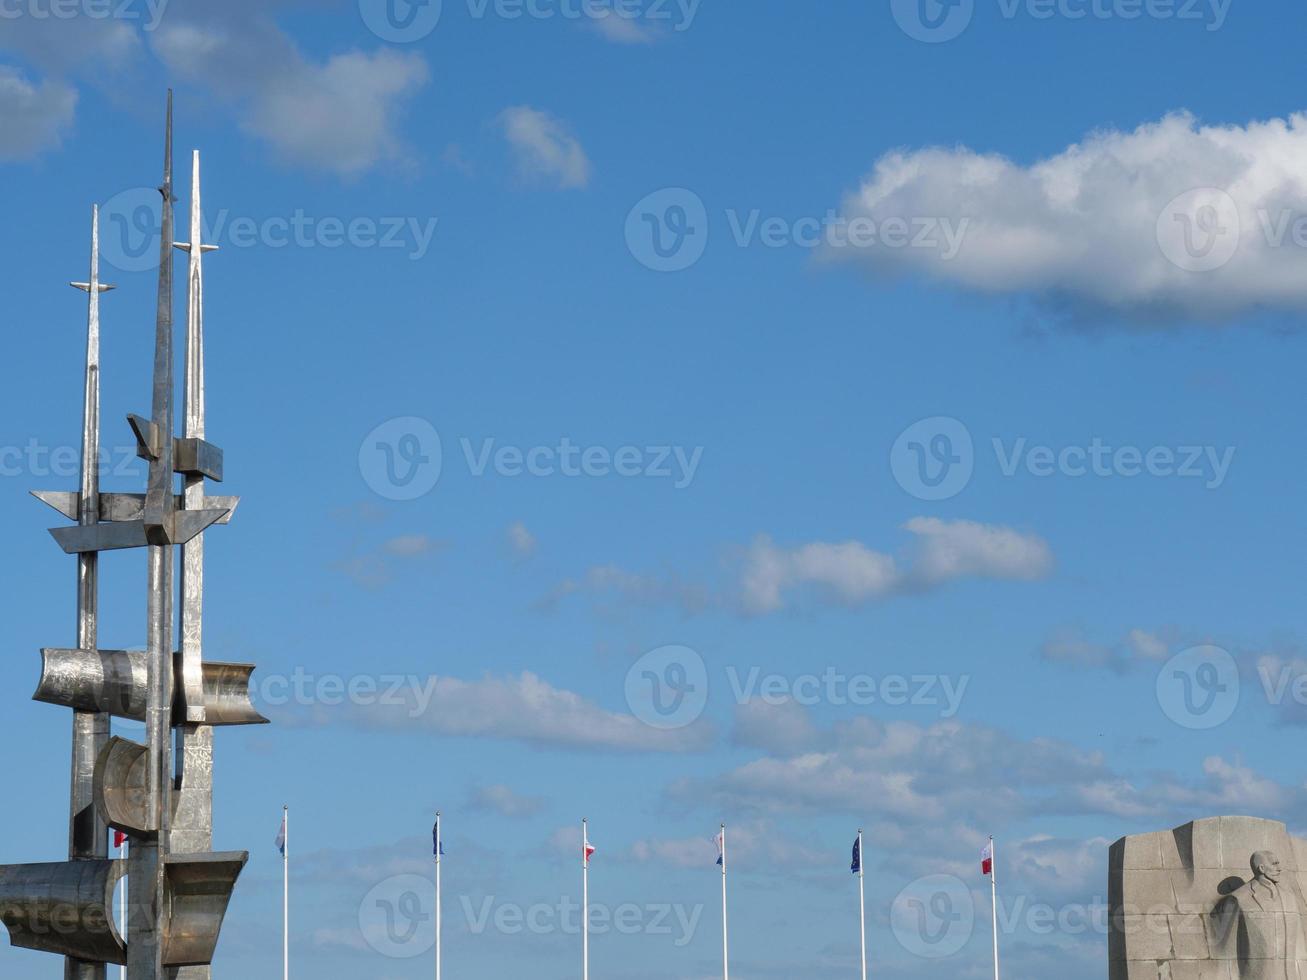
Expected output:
(115, 682)
(64, 908)
(121, 791)
(199, 890)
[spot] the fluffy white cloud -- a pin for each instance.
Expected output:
(522, 707)
(1104, 222)
(33, 116)
(340, 115)
(544, 148)
(853, 574)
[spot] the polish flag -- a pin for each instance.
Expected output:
(118, 838)
(589, 850)
(987, 859)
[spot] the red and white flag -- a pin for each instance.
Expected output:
(987, 859)
(588, 849)
(118, 839)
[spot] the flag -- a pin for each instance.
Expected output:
(437, 845)
(857, 857)
(721, 850)
(987, 859)
(588, 849)
(118, 839)
(281, 837)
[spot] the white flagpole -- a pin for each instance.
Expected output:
(122, 909)
(438, 923)
(726, 946)
(862, 902)
(285, 894)
(993, 891)
(585, 901)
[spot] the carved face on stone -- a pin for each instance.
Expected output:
(1266, 866)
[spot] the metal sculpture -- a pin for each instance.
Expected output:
(178, 888)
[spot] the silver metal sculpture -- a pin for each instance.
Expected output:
(178, 888)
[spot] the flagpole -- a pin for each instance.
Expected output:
(993, 892)
(438, 895)
(726, 947)
(585, 901)
(122, 909)
(862, 902)
(285, 895)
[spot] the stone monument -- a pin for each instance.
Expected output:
(158, 795)
(1216, 899)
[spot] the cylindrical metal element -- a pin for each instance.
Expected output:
(64, 908)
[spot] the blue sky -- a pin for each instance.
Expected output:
(854, 467)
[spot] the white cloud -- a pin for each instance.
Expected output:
(1071, 648)
(624, 29)
(853, 574)
(522, 541)
(756, 843)
(33, 116)
(1094, 225)
(544, 148)
(521, 707)
(504, 801)
(340, 115)
(932, 774)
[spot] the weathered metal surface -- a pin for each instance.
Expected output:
(64, 908)
(159, 793)
(199, 890)
(125, 506)
(115, 682)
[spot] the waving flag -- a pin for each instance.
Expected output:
(281, 837)
(857, 857)
(437, 845)
(118, 838)
(589, 850)
(987, 859)
(721, 851)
